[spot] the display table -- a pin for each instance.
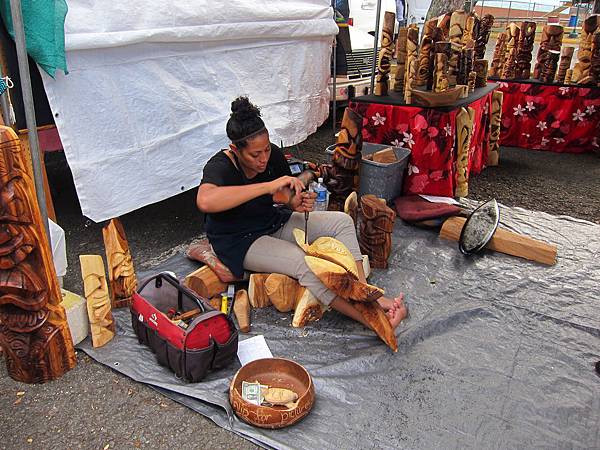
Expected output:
(430, 135)
(554, 117)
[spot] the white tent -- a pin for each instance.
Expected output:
(150, 85)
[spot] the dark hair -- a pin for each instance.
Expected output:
(244, 122)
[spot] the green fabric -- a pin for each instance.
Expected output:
(44, 23)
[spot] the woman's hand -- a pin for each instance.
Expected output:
(305, 202)
(286, 181)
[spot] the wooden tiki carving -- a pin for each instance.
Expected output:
(550, 65)
(464, 129)
(241, 309)
(581, 70)
(568, 76)
(485, 28)
(376, 223)
(385, 55)
(342, 175)
(440, 75)
(411, 62)
(121, 274)
(472, 80)
(512, 47)
(566, 57)
(95, 289)
(552, 36)
(525, 47)
(444, 24)
(34, 333)
(496, 117)
(480, 66)
(498, 56)
(465, 66)
(471, 30)
(458, 21)
(400, 60)
(423, 72)
(595, 59)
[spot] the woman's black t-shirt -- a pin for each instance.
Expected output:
(232, 232)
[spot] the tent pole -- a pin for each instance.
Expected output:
(375, 47)
(334, 104)
(34, 145)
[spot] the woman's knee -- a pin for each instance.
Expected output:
(343, 221)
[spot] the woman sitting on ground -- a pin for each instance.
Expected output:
(248, 232)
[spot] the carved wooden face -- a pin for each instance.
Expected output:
(255, 155)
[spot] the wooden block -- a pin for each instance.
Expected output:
(257, 293)
(98, 300)
(505, 241)
(307, 309)
(241, 309)
(385, 156)
(282, 291)
(77, 317)
(205, 282)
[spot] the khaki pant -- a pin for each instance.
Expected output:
(279, 253)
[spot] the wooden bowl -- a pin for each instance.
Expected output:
(274, 372)
(435, 99)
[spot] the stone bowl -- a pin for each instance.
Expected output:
(274, 372)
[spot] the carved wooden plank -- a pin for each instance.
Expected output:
(566, 57)
(241, 309)
(121, 274)
(95, 289)
(204, 282)
(257, 293)
(376, 223)
(385, 54)
(505, 241)
(496, 118)
(34, 334)
(464, 129)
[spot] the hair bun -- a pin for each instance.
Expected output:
(242, 109)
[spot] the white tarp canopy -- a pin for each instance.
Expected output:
(150, 85)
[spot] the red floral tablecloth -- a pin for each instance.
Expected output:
(548, 117)
(430, 135)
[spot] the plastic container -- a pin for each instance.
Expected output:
(383, 180)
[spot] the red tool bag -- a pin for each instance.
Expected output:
(209, 341)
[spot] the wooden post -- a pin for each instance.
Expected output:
(34, 333)
(464, 129)
(204, 282)
(376, 224)
(565, 63)
(121, 273)
(496, 118)
(102, 324)
(385, 54)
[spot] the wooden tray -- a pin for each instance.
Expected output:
(274, 372)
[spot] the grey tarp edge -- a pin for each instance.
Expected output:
(498, 352)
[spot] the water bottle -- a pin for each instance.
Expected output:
(322, 200)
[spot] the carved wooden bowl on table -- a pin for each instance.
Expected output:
(435, 99)
(278, 373)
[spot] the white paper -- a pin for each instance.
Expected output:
(252, 349)
(438, 199)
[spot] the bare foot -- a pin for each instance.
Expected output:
(387, 303)
(397, 314)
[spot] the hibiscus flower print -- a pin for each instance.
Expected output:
(542, 125)
(408, 139)
(578, 115)
(589, 110)
(529, 106)
(544, 142)
(448, 130)
(518, 110)
(503, 84)
(559, 140)
(396, 143)
(378, 119)
(563, 90)
(412, 169)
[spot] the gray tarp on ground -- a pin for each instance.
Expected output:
(498, 352)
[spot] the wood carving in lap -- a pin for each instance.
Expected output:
(385, 55)
(512, 48)
(458, 22)
(581, 71)
(341, 176)
(485, 28)
(552, 36)
(499, 56)
(566, 57)
(412, 39)
(400, 60)
(34, 333)
(121, 274)
(496, 117)
(376, 223)
(464, 129)
(525, 47)
(550, 66)
(99, 309)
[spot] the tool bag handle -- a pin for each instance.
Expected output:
(173, 281)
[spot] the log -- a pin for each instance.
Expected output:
(257, 293)
(496, 118)
(385, 55)
(282, 291)
(121, 274)
(375, 316)
(342, 283)
(95, 287)
(505, 241)
(464, 129)
(241, 309)
(204, 282)
(34, 334)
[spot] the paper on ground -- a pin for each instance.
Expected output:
(252, 349)
(438, 199)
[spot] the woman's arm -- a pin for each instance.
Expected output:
(212, 198)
